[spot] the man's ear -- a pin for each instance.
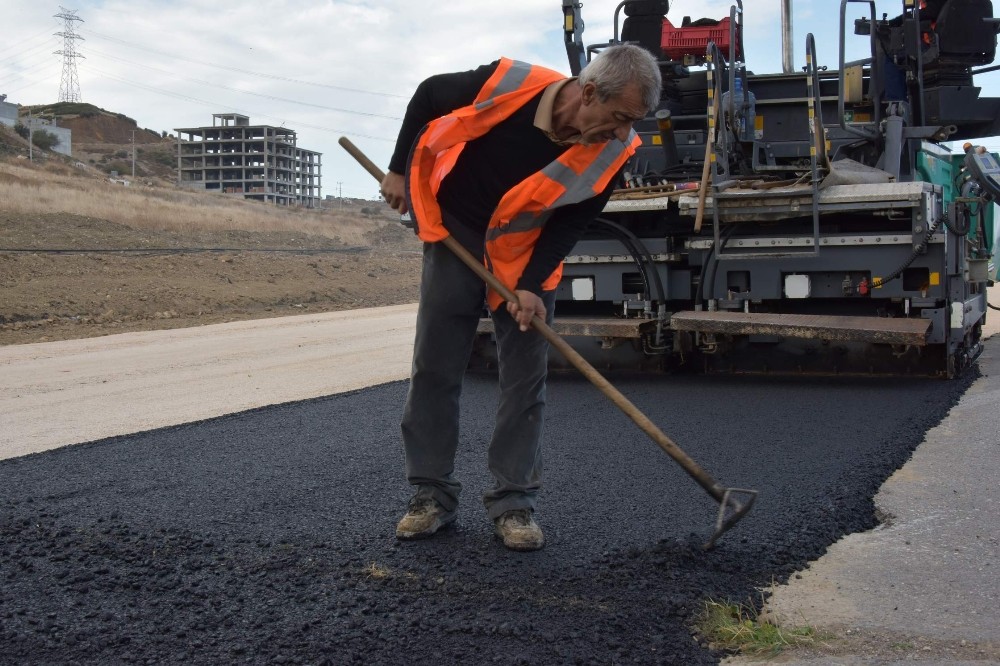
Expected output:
(588, 94)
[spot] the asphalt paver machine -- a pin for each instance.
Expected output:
(825, 219)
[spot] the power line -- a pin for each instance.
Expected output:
(246, 92)
(243, 71)
(26, 39)
(29, 60)
(217, 105)
(44, 46)
(31, 83)
(24, 72)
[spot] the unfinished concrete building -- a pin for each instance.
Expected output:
(253, 161)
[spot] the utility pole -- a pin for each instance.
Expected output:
(340, 192)
(31, 137)
(69, 85)
(133, 154)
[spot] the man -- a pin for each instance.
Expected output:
(513, 161)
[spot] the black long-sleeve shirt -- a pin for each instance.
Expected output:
(490, 166)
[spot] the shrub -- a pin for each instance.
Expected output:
(166, 159)
(123, 168)
(45, 140)
(41, 138)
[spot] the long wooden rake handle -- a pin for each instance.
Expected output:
(724, 496)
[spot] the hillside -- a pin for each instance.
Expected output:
(92, 124)
(11, 145)
(81, 256)
(103, 139)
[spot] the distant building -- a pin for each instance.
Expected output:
(9, 116)
(63, 134)
(8, 112)
(253, 161)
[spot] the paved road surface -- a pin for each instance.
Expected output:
(265, 537)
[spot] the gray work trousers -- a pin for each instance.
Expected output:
(451, 303)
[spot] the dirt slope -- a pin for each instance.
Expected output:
(92, 124)
(107, 129)
(47, 295)
(104, 140)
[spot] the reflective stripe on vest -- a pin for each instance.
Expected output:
(510, 81)
(578, 174)
(576, 187)
(439, 145)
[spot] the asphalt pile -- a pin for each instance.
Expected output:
(267, 536)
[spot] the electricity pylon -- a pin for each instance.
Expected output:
(69, 85)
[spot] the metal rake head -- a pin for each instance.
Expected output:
(731, 511)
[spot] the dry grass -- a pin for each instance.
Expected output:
(57, 188)
(381, 572)
(377, 571)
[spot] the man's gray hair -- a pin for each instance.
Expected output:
(617, 66)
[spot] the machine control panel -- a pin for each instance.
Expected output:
(984, 168)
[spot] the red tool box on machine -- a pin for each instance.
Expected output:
(693, 39)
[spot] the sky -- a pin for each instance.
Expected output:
(331, 68)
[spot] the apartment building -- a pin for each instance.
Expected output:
(252, 161)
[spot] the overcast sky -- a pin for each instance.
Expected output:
(330, 68)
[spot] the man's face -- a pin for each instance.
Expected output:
(599, 121)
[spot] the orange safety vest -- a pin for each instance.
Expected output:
(580, 173)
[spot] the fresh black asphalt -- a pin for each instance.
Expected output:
(267, 536)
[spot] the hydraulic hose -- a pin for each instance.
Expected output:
(917, 251)
(969, 189)
(661, 295)
(710, 259)
(636, 257)
(960, 231)
(644, 260)
(962, 226)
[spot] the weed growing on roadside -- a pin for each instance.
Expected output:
(741, 628)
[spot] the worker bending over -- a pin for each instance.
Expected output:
(514, 161)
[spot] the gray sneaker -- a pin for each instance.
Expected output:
(519, 530)
(424, 516)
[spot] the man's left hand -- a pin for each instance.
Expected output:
(528, 305)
